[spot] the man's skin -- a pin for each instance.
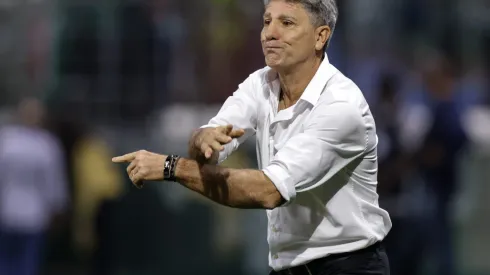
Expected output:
(205, 144)
(293, 46)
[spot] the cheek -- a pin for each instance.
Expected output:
(300, 39)
(300, 45)
(309, 42)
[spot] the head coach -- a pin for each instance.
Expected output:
(316, 149)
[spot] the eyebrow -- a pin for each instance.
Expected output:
(281, 17)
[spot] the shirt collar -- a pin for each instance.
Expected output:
(315, 87)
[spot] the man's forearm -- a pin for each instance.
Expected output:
(238, 188)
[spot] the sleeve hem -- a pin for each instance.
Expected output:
(282, 180)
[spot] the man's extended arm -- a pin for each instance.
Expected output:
(238, 188)
(333, 138)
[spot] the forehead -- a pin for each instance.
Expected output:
(276, 8)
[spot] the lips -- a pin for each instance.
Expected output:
(272, 47)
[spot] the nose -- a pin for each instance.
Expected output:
(271, 31)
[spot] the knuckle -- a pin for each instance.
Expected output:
(201, 140)
(203, 137)
(201, 133)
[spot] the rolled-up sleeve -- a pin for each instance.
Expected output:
(239, 110)
(333, 137)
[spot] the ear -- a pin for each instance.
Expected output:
(322, 35)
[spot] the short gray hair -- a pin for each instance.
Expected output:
(322, 12)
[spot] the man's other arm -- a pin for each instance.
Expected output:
(238, 188)
(239, 111)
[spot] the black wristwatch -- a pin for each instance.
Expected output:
(169, 167)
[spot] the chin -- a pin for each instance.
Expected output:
(273, 63)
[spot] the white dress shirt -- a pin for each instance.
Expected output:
(321, 155)
(33, 186)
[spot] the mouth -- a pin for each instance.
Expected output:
(272, 48)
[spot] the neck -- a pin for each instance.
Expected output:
(295, 80)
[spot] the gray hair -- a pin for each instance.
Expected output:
(322, 13)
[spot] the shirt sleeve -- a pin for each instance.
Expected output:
(239, 110)
(334, 136)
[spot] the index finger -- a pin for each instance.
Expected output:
(236, 133)
(226, 129)
(125, 158)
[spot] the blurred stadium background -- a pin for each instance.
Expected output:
(119, 75)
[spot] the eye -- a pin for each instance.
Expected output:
(287, 23)
(267, 22)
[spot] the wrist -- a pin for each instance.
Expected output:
(180, 168)
(170, 166)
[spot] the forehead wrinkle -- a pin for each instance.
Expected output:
(286, 15)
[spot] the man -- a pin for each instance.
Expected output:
(316, 146)
(33, 189)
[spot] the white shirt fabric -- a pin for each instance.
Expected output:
(33, 185)
(321, 155)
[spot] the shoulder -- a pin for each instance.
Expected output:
(343, 89)
(342, 103)
(52, 144)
